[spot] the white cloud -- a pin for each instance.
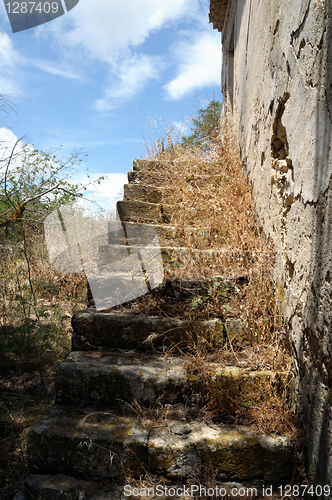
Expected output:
(133, 75)
(103, 29)
(110, 187)
(198, 65)
(103, 32)
(100, 41)
(180, 127)
(7, 136)
(55, 69)
(10, 64)
(7, 142)
(13, 154)
(107, 192)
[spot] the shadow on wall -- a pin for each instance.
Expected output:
(229, 42)
(316, 363)
(317, 318)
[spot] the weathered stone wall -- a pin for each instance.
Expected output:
(277, 80)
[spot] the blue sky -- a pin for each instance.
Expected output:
(91, 78)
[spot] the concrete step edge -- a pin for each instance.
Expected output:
(93, 330)
(142, 192)
(104, 444)
(53, 487)
(106, 378)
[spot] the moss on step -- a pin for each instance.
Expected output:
(95, 444)
(233, 386)
(139, 210)
(110, 378)
(102, 444)
(221, 451)
(129, 331)
(142, 192)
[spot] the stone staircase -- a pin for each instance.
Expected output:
(130, 406)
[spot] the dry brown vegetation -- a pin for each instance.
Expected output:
(209, 193)
(211, 196)
(35, 311)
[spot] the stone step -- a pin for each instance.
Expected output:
(189, 288)
(107, 378)
(121, 258)
(134, 233)
(156, 165)
(158, 179)
(142, 192)
(109, 289)
(140, 211)
(104, 444)
(144, 165)
(200, 180)
(94, 330)
(143, 233)
(104, 330)
(62, 487)
(110, 378)
(239, 333)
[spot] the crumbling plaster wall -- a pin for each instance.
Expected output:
(277, 80)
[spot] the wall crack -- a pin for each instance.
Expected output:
(297, 32)
(282, 178)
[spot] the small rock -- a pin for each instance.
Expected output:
(181, 429)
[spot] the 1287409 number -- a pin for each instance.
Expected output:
(32, 7)
(299, 490)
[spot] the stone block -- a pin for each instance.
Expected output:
(139, 210)
(107, 378)
(228, 452)
(129, 331)
(239, 333)
(110, 378)
(62, 487)
(88, 443)
(148, 178)
(57, 487)
(142, 192)
(102, 444)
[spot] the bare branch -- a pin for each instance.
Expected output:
(6, 106)
(7, 168)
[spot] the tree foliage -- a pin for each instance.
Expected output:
(33, 182)
(205, 126)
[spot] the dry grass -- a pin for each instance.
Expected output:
(209, 192)
(35, 312)
(37, 304)
(19, 409)
(210, 195)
